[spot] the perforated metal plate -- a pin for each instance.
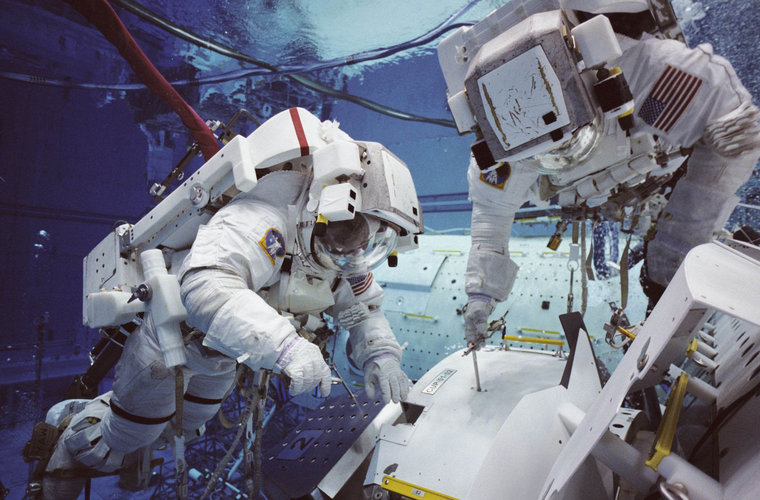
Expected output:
(306, 455)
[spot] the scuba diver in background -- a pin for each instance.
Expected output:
(597, 104)
(254, 283)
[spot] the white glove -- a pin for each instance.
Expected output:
(384, 371)
(303, 363)
(476, 313)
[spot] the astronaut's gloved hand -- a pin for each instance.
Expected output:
(303, 363)
(476, 313)
(384, 371)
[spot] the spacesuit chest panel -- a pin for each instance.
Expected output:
(297, 291)
(671, 90)
(618, 162)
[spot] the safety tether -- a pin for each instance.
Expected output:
(251, 396)
(180, 464)
(584, 276)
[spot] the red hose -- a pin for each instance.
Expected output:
(101, 14)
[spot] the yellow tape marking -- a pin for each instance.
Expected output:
(536, 330)
(410, 490)
(419, 316)
(533, 340)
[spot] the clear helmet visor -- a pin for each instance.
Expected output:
(571, 153)
(354, 246)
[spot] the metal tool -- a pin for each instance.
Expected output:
(339, 379)
(498, 324)
(477, 373)
(471, 349)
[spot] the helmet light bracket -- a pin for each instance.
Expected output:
(334, 191)
(339, 202)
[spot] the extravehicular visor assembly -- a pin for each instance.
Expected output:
(576, 150)
(356, 245)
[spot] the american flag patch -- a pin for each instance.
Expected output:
(360, 284)
(669, 98)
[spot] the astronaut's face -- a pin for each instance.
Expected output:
(354, 246)
(347, 237)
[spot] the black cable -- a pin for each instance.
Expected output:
(188, 35)
(229, 75)
(193, 38)
(722, 417)
(58, 213)
(270, 70)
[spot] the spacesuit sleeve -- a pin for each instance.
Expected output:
(694, 98)
(234, 255)
(495, 199)
(357, 308)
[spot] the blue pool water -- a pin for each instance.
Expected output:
(81, 142)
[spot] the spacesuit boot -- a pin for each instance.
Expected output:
(59, 487)
(79, 450)
(60, 415)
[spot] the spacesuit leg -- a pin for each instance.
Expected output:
(204, 394)
(698, 208)
(110, 427)
(143, 394)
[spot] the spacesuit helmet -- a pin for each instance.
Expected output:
(361, 204)
(537, 78)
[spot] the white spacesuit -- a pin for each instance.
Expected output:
(246, 307)
(587, 141)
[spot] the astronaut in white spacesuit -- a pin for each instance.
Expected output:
(544, 91)
(238, 294)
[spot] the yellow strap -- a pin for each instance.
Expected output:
(666, 432)
(409, 490)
